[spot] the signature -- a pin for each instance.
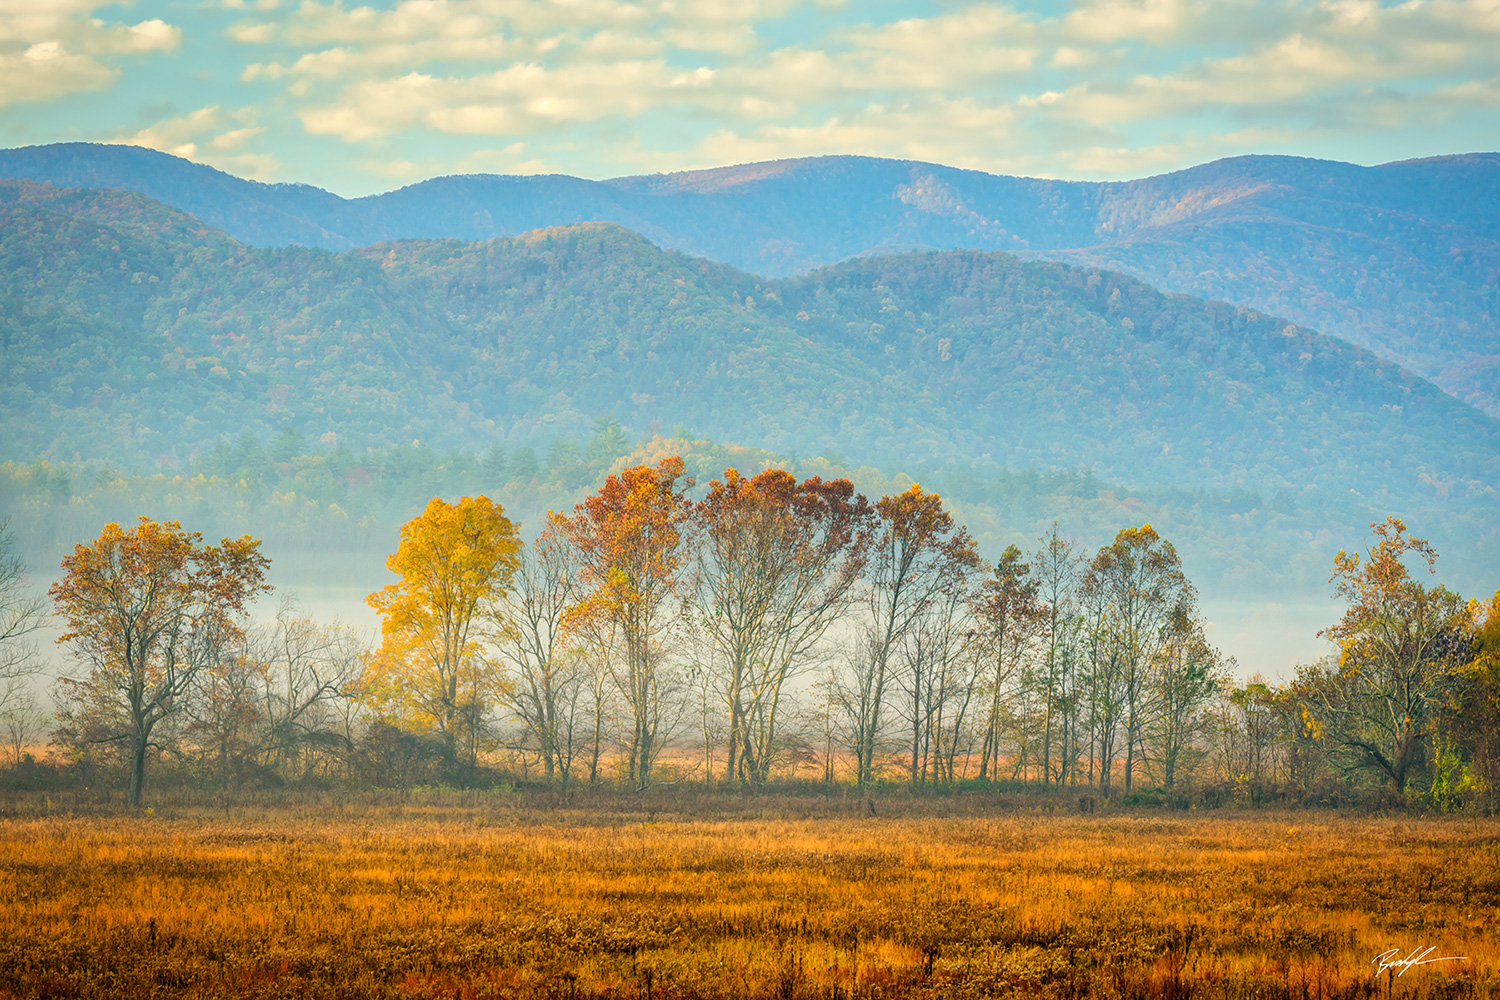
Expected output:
(1393, 959)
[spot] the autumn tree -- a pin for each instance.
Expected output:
(433, 671)
(1401, 649)
(1143, 597)
(778, 563)
(1008, 616)
(1473, 718)
(634, 540)
(918, 553)
(148, 610)
(1055, 569)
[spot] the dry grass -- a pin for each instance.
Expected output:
(494, 896)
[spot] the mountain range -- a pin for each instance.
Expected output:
(134, 331)
(1402, 259)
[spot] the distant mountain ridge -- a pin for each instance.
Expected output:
(1401, 258)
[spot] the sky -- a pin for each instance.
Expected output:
(361, 98)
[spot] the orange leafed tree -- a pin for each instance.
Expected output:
(919, 554)
(634, 540)
(455, 562)
(148, 610)
(779, 560)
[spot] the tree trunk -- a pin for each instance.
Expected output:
(137, 771)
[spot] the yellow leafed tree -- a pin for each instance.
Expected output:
(456, 562)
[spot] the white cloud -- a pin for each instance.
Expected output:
(1103, 87)
(1112, 20)
(45, 70)
(519, 99)
(208, 135)
(948, 51)
(154, 35)
(1295, 68)
(50, 48)
(181, 135)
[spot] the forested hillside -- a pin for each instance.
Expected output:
(131, 332)
(1400, 258)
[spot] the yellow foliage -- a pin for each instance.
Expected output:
(455, 562)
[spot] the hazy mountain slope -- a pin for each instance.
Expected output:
(120, 342)
(1400, 258)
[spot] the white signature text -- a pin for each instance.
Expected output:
(1393, 959)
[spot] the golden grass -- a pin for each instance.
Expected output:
(457, 896)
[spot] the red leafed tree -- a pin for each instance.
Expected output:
(634, 540)
(778, 562)
(147, 610)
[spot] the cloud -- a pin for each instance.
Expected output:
(519, 99)
(1113, 20)
(208, 135)
(55, 48)
(1100, 87)
(1293, 69)
(948, 51)
(154, 35)
(45, 70)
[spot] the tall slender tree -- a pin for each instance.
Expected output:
(635, 540)
(1055, 569)
(1007, 614)
(919, 552)
(1146, 596)
(547, 685)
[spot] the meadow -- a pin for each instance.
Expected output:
(701, 895)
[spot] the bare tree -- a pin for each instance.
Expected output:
(938, 681)
(1055, 571)
(547, 682)
(308, 676)
(23, 721)
(23, 610)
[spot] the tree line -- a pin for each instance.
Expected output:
(768, 628)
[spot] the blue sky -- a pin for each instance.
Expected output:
(360, 98)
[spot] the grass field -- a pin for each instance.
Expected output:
(513, 896)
